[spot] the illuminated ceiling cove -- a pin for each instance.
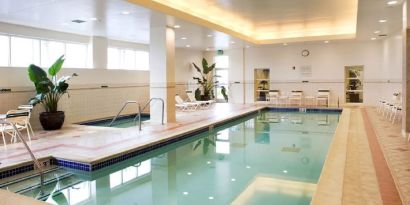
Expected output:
(267, 21)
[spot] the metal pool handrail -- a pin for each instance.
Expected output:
(145, 106)
(36, 163)
(123, 107)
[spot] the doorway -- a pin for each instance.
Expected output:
(354, 84)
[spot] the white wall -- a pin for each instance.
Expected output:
(87, 99)
(327, 62)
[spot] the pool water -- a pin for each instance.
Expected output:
(121, 122)
(269, 158)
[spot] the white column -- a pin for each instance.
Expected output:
(99, 47)
(162, 69)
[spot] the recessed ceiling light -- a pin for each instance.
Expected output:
(94, 19)
(189, 173)
(382, 21)
(248, 167)
(183, 38)
(188, 46)
(125, 12)
(376, 32)
(373, 38)
(285, 44)
(233, 179)
(177, 26)
(211, 197)
(285, 171)
(232, 42)
(326, 41)
(209, 35)
(392, 2)
(208, 162)
(185, 193)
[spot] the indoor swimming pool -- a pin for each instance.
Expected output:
(265, 158)
(120, 122)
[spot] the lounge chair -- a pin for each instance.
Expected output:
(185, 105)
(202, 103)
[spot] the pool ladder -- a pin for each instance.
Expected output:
(140, 110)
(36, 162)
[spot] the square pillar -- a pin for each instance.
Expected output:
(162, 70)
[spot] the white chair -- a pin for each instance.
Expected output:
(185, 105)
(296, 96)
(323, 96)
(202, 103)
(20, 118)
(29, 108)
(273, 96)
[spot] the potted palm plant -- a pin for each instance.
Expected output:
(49, 92)
(207, 82)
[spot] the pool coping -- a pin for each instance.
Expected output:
(330, 185)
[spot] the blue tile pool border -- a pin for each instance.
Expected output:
(139, 151)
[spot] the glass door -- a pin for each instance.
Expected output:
(222, 78)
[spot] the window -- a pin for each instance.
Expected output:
(21, 52)
(76, 55)
(24, 51)
(4, 50)
(50, 51)
(142, 60)
(222, 61)
(127, 59)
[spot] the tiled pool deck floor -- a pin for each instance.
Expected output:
(90, 144)
(356, 170)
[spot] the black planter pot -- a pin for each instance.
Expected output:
(52, 120)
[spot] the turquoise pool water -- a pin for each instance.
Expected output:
(270, 158)
(121, 122)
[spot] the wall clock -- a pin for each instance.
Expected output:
(305, 53)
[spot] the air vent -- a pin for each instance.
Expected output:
(78, 21)
(382, 35)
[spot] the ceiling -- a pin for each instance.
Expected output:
(267, 21)
(121, 20)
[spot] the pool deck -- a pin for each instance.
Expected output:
(368, 161)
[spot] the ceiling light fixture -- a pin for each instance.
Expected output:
(285, 171)
(177, 26)
(125, 12)
(373, 38)
(326, 41)
(391, 3)
(233, 179)
(183, 38)
(285, 44)
(185, 193)
(188, 46)
(211, 197)
(232, 42)
(209, 35)
(376, 32)
(189, 173)
(382, 21)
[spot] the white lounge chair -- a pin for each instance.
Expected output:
(185, 105)
(202, 103)
(296, 96)
(273, 96)
(323, 96)
(21, 120)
